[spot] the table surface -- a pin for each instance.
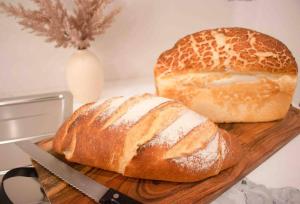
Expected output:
(280, 170)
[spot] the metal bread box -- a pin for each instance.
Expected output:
(33, 118)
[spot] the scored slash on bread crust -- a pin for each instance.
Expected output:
(147, 137)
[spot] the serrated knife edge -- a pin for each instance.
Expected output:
(76, 179)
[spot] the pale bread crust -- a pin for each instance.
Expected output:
(86, 138)
(266, 99)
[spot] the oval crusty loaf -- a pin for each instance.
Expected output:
(229, 75)
(147, 137)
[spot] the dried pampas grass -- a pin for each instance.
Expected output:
(54, 22)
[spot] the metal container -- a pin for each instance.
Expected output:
(32, 118)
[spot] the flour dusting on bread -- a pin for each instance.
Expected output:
(224, 148)
(138, 110)
(114, 105)
(97, 104)
(187, 121)
(202, 159)
(115, 136)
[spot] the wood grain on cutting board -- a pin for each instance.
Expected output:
(259, 141)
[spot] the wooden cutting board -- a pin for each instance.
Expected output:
(259, 140)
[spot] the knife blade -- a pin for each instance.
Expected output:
(86, 185)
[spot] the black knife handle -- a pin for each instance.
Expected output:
(21, 171)
(115, 197)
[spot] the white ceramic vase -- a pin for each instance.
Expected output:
(84, 76)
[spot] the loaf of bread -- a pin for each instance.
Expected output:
(229, 75)
(147, 137)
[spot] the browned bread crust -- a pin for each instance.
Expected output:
(227, 49)
(147, 137)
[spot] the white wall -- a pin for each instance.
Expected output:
(139, 34)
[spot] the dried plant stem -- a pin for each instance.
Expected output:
(54, 22)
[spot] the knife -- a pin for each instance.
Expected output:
(86, 185)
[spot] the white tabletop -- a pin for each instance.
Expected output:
(280, 170)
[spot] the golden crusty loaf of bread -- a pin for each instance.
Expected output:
(229, 75)
(148, 137)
